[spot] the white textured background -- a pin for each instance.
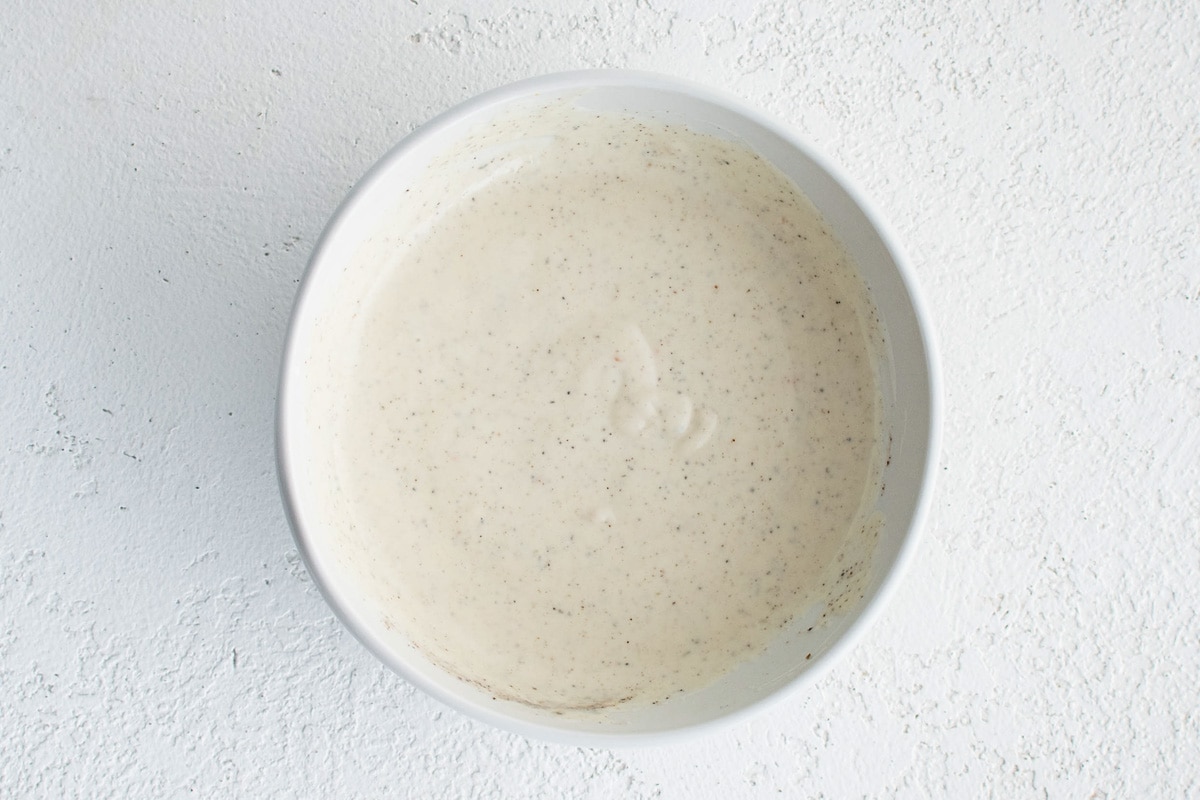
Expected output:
(164, 171)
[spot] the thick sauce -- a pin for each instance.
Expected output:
(605, 410)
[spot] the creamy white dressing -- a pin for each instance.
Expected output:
(601, 411)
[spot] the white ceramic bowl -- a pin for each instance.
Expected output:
(909, 383)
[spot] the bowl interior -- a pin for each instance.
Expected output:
(906, 379)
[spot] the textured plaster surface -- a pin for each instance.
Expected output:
(164, 171)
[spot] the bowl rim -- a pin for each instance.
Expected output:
(560, 82)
